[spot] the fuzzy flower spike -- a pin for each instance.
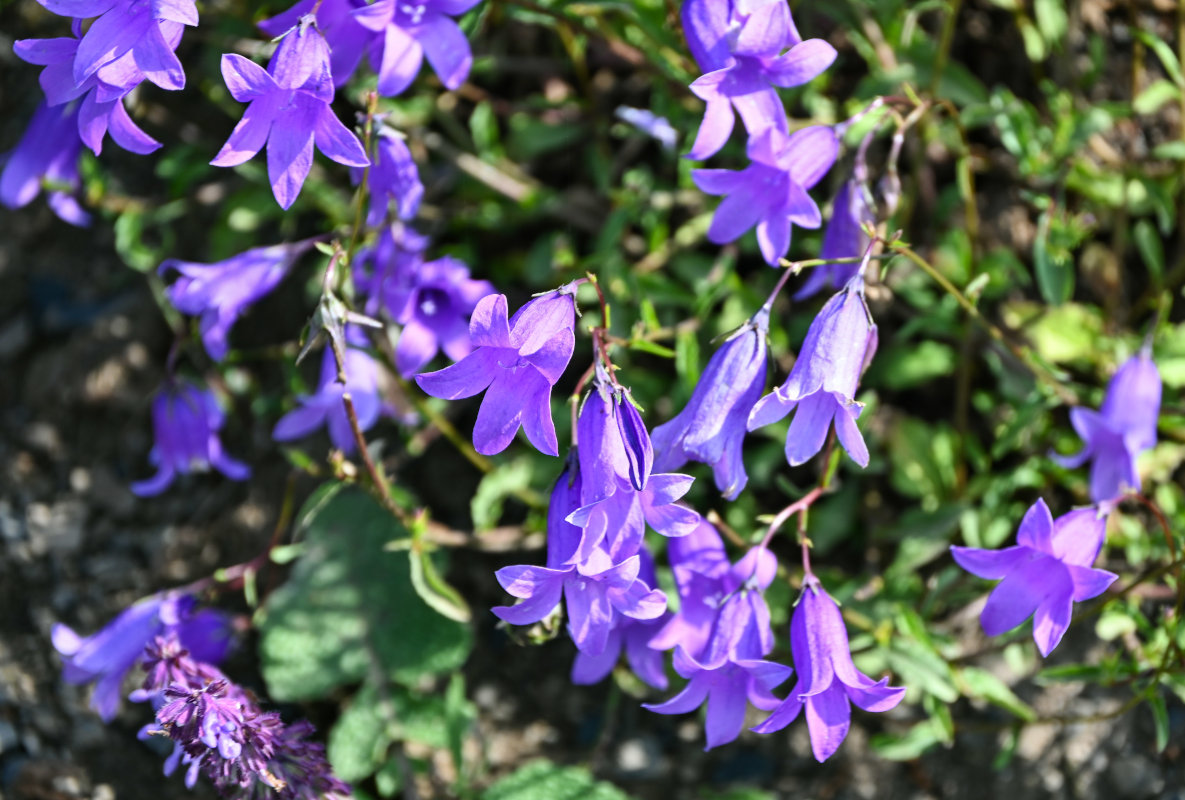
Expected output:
(822, 384)
(1044, 573)
(828, 681)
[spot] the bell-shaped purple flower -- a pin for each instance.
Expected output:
(405, 32)
(771, 192)
(1114, 436)
(348, 40)
(613, 444)
(515, 363)
(186, 420)
(711, 428)
(1044, 573)
(289, 110)
(828, 681)
(325, 407)
(47, 153)
(107, 656)
(844, 237)
(393, 177)
(822, 383)
(220, 292)
(747, 49)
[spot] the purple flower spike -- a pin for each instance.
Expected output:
(288, 111)
(1114, 436)
(843, 238)
(393, 177)
(1044, 573)
(185, 421)
(711, 429)
(326, 407)
(516, 363)
(47, 152)
(222, 291)
(771, 192)
(823, 380)
(742, 54)
(405, 31)
(108, 655)
(828, 681)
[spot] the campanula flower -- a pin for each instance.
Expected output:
(47, 152)
(822, 383)
(515, 363)
(711, 428)
(325, 406)
(844, 237)
(649, 123)
(222, 291)
(289, 110)
(348, 40)
(1114, 436)
(828, 681)
(613, 444)
(185, 421)
(746, 51)
(393, 177)
(771, 192)
(1044, 573)
(107, 656)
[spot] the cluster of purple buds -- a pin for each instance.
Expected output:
(747, 49)
(186, 419)
(1114, 436)
(219, 731)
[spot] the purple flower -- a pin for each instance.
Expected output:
(325, 407)
(649, 123)
(405, 31)
(347, 39)
(108, 655)
(185, 421)
(47, 152)
(711, 428)
(432, 300)
(222, 291)
(1044, 573)
(742, 53)
(771, 192)
(823, 380)
(843, 238)
(392, 177)
(517, 362)
(1114, 436)
(289, 111)
(613, 445)
(828, 681)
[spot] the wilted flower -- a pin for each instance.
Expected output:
(289, 110)
(844, 237)
(1114, 436)
(822, 383)
(1044, 573)
(47, 152)
(185, 421)
(711, 428)
(747, 49)
(828, 681)
(108, 655)
(220, 292)
(517, 362)
(771, 192)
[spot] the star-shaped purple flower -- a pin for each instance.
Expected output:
(1044, 573)
(289, 110)
(771, 192)
(186, 420)
(828, 681)
(1114, 436)
(746, 51)
(47, 152)
(711, 428)
(822, 383)
(405, 31)
(221, 292)
(515, 363)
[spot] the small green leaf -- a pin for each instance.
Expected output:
(546, 781)
(359, 739)
(1166, 55)
(495, 487)
(1160, 715)
(433, 589)
(984, 685)
(1157, 94)
(1151, 248)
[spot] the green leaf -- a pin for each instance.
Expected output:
(984, 685)
(1160, 715)
(1157, 94)
(546, 781)
(1055, 272)
(359, 740)
(918, 740)
(1151, 248)
(349, 609)
(433, 589)
(1166, 55)
(495, 487)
